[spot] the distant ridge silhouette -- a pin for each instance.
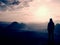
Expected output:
(15, 26)
(57, 28)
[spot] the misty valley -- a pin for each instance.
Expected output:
(14, 33)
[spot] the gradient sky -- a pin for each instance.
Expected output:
(30, 10)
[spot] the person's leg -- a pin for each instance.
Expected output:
(49, 38)
(52, 37)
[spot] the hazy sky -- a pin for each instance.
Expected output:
(29, 10)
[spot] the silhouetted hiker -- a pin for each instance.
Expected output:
(51, 31)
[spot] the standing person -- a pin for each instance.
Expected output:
(51, 31)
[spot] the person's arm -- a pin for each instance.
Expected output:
(54, 25)
(48, 27)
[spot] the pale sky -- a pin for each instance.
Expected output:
(32, 11)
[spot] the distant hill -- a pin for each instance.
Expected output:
(15, 26)
(12, 26)
(57, 29)
(4, 24)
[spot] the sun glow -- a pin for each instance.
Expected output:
(42, 13)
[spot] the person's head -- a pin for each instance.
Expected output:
(51, 20)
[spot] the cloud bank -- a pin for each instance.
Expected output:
(13, 4)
